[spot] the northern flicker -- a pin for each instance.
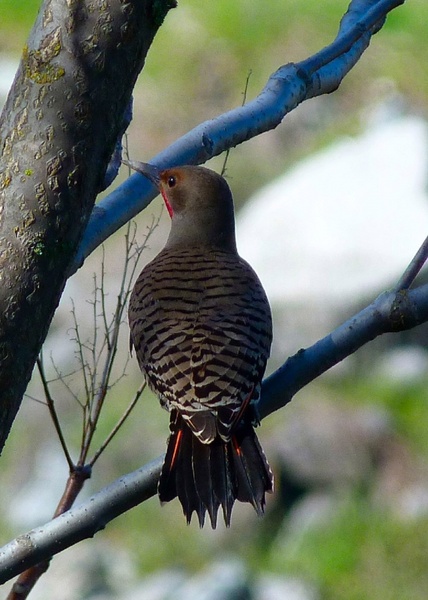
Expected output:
(201, 327)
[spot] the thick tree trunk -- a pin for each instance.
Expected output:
(57, 132)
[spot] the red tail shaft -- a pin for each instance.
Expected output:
(207, 476)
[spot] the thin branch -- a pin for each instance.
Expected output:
(101, 352)
(118, 425)
(103, 299)
(51, 406)
(414, 268)
(84, 367)
(100, 385)
(390, 312)
(95, 355)
(63, 379)
(37, 400)
(244, 99)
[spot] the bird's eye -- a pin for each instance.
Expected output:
(171, 181)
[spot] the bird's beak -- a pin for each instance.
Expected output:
(149, 171)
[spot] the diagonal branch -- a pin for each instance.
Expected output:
(288, 87)
(414, 267)
(389, 312)
(80, 522)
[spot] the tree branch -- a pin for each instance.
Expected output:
(79, 523)
(389, 312)
(414, 267)
(288, 87)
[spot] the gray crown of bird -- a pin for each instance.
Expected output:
(201, 327)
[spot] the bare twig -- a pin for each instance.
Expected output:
(102, 383)
(244, 99)
(96, 358)
(84, 367)
(51, 406)
(118, 425)
(414, 268)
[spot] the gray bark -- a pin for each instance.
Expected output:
(57, 132)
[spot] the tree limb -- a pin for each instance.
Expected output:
(389, 312)
(288, 87)
(79, 523)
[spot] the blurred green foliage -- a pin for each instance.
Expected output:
(361, 554)
(200, 60)
(16, 19)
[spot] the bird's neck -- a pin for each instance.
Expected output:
(220, 242)
(219, 234)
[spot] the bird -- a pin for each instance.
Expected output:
(201, 327)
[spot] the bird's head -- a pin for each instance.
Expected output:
(199, 202)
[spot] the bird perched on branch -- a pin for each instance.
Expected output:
(201, 327)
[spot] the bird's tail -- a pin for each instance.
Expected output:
(207, 476)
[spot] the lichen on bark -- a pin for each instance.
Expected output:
(57, 131)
